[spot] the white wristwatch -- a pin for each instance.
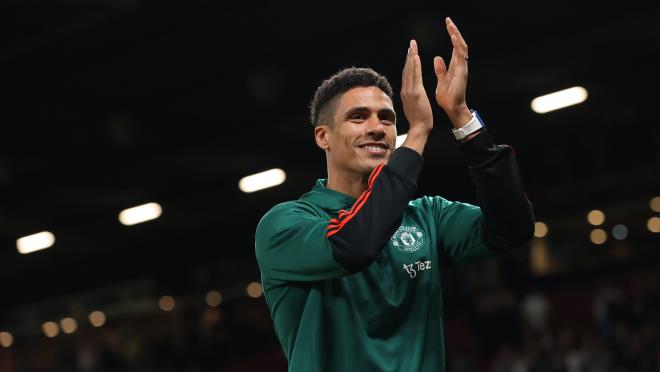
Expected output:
(472, 126)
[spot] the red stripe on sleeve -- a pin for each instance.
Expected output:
(374, 174)
(334, 227)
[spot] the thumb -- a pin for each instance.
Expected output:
(439, 67)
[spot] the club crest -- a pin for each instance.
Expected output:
(408, 239)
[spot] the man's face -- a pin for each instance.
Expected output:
(364, 131)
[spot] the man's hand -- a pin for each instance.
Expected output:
(416, 105)
(452, 82)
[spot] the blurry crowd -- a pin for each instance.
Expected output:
(498, 319)
(608, 321)
(236, 336)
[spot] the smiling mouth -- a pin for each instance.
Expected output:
(375, 148)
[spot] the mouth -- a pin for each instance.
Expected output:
(375, 148)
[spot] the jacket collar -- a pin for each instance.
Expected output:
(328, 199)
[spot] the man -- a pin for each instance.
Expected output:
(351, 270)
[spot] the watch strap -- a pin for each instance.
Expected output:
(474, 125)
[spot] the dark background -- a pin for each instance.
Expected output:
(107, 104)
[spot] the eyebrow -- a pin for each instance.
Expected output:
(361, 109)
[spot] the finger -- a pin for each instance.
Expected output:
(460, 41)
(417, 64)
(451, 67)
(413, 47)
(462, 51)
(439, 67)
(408, 69)
(404, 73)
(453, 30)
(458, 59)
(418, 71)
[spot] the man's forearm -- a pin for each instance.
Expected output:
(358, 235)
(416, 139)
(494, 170)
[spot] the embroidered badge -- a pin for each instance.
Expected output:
(408, 239)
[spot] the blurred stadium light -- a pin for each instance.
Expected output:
(214, 298)
(166, 303)
(262, 180)
(653, 224)
(68, 325)
(619, 232)
(557, 100)
(598, 236)
(139, 214)
(6, 339)
(35, 242)
(50, 329)
(97, 318)
(540, 229)
(655, 204)
(254, 289)
(596, 217)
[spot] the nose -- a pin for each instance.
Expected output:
(375, 128)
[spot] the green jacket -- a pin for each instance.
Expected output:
(381, 309)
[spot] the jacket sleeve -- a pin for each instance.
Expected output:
(294, 243)
(509, 217)
(504, 220)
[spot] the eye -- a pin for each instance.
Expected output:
(387, 117)
(357, 117)
(387, 120)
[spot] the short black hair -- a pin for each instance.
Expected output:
(324, 101)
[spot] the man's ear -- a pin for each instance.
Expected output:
(321, 133)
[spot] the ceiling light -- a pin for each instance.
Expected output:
(35, 242)
(560, 99)
(139, 214)
(262, 180)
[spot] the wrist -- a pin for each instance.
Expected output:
(418, 131)
(460, 116)
(416, 139)
(469, 130)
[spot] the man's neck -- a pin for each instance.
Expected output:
(352, 184)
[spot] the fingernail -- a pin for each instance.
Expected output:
(411, 42)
